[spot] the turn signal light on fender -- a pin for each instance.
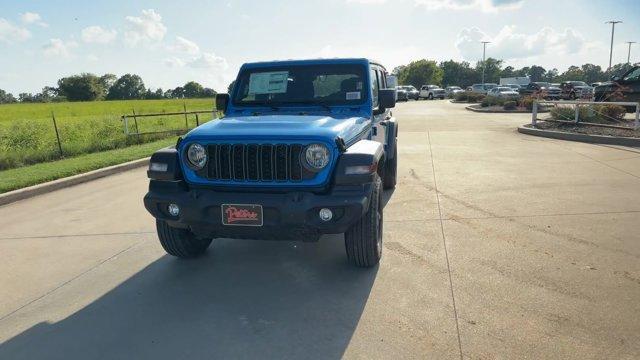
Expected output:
(361, 169)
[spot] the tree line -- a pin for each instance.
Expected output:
(454, 73)
(90, 87)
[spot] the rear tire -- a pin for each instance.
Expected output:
(391, 170)
(363, 241)
(181, 243)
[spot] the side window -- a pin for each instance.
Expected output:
(374, 88)
(382, 79)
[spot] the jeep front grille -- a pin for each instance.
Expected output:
(255, 162)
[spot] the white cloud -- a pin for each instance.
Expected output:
(509, 44)
(98, 35)
(32, 18)
(147, 28)
(185, 46)
(10, 33)
(482, 5)
(92, 58)
(174, 62)
(209, 61)
(57, 48)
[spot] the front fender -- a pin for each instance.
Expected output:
(359, 163)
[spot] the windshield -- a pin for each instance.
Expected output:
(328, 84)
(504, 89)
(578, 83)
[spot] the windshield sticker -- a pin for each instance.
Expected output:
(353, 95)
(268, 82)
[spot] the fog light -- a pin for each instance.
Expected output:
(174, 209)
(325, 214)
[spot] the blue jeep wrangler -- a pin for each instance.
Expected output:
(304, 148)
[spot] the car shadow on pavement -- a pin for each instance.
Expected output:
(243, 299)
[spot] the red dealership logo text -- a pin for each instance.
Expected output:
(234, 214)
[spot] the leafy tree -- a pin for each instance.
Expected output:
(208, 92)
(536, 73)
(192, 90)
(509, 71)
(83, 87)
(26, 97)
(107, 81)
(457, 73)
(6, 98)
(398, 69)
(492, 70)
(551, 75)
(421, 72)
(128, 86)
(177, 93)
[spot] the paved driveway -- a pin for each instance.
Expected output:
(497, 245)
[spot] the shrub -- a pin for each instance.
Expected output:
(462, 96)
(526, 102)
(492, 101)
(563, 113)
(610, 112)
(510, 105)
(474, 97)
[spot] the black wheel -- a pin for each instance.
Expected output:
(363, 241)
(180, 242)
(391, 170)
(430, 96)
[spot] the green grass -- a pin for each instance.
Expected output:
(35, 174)
(27, 134)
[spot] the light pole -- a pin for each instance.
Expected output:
(613, 29)
(629, 53)
(484, 51)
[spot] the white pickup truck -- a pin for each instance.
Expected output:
(431, 92)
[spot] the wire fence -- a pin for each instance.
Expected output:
(37, 138)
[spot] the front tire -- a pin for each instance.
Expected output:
(430, 96)
(363, 241)
(181, 243)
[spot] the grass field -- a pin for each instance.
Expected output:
(35, 174)
(27, 133)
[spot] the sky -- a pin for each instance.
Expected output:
(169, 43)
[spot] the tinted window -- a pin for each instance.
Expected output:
(301, 84)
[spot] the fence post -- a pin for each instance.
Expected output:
(186, 121)
(577, 117)
(126, 124)
(135, 122)
(534, 113)
(55, 126)
(197, 120)
(637, 122)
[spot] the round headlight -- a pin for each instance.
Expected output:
(316, 157)
(196, 156)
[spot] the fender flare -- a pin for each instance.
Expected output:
(367, 153)
(392, 137)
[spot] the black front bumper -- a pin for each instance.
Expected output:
(287, 215)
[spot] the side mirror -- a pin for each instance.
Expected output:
(387, 98)
(222, 101)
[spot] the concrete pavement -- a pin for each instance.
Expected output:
(498, 245)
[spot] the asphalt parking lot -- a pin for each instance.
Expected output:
(498, 245)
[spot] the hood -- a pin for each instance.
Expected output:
(281, 126)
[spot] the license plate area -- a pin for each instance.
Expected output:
(242, 214)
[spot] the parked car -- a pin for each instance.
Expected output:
(482, 88)
(541, 89)
(451, 91)
(593, 85)
(572, 90)
(284, 162)
(515, 87)
(412, 92)
(431, 92)
(625, 87)
(504, 92)
(401, 94)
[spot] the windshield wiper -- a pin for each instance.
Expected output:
(267, 104)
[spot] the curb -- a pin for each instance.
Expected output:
(31, 191)
(594, 139)
(470, 108)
